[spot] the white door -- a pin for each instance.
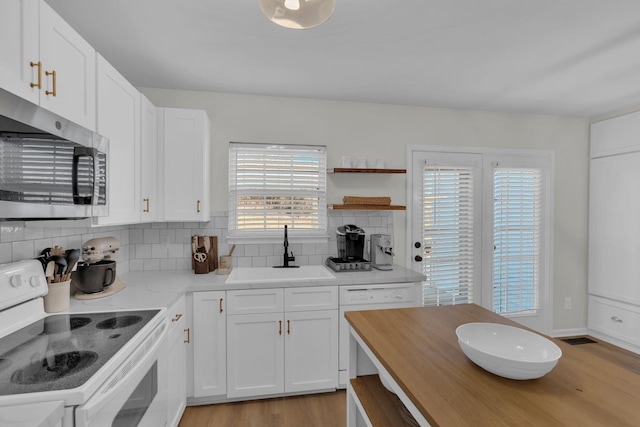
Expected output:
(119, 120)
(481, 227)
(185, 192)
(311, 350)
(71, 91)
(445, 239)
(149, 161)
(19, 49)
(209, 344)
(255, 354)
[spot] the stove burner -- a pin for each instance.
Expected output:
(118, 322)
(62, 365)
(64, 323)
(78, 322)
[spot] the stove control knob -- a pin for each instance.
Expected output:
(17, 280)
(37, 281)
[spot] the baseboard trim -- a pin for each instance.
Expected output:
(560, 333)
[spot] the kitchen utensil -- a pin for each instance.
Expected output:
(61, 265)
(50, 271)
(233, 248)
(72, 256)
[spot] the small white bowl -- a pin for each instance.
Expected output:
(508, 351)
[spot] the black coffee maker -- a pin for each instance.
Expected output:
(350, 243)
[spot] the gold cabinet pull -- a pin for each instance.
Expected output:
(279, 327)
(39, 65)
(177, 317)
(198, 206)
(146, 209)
(221, 305)
(188, 340)
(53, 78)
(288, 327)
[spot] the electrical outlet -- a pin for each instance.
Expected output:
(567, 303)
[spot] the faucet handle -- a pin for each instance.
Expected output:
(291, 257)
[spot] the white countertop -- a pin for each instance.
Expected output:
(160, 289)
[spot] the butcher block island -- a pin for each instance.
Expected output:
(417, 350)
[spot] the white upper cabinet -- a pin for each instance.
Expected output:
(44, 60)
(185, 166)
(615, 136)
(119, 120)
(20, 48)
(149, 161)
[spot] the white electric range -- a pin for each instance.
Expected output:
(105, 368)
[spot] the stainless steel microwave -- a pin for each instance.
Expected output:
(50, 167)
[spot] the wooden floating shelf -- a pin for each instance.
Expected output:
(365, 170)
(368, 207)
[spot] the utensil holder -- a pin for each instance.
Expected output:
(226, 264)
(58, 297)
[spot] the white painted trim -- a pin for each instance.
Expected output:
(559, 333)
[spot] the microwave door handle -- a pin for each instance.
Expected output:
(79, 152)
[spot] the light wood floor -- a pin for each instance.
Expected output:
(329, 409)
(316, 410)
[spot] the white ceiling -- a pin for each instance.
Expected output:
(567, 57)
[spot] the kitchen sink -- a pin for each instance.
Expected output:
(273, 275)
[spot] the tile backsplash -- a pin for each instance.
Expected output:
(167, 245)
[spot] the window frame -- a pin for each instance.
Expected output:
(235, 234)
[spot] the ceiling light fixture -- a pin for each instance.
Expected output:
(298, 14)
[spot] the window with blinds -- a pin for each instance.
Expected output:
(517, 216)
(448, 235)
(271, 186)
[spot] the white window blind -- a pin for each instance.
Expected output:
(517, 216)
(271, 186)
(448, 235)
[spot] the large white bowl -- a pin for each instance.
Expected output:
(507, 351)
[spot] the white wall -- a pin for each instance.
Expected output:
(376, 130)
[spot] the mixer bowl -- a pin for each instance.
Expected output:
(92, 278)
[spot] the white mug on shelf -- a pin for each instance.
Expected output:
(361, 163)
(380, 163)
(345, 162)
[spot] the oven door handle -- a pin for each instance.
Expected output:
(128, 375)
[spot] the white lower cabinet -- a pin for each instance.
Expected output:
(255, 355)
(311, 351)
(176, 348)
(209, 344)
(281, 351)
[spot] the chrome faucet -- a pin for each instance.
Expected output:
(286, 257)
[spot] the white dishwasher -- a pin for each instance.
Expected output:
(370, 297)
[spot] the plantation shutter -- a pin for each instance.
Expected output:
(271, 186)
(517, 233)
(448, 234)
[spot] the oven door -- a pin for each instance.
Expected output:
(135, 395)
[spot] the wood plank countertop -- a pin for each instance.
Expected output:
(419, 349)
